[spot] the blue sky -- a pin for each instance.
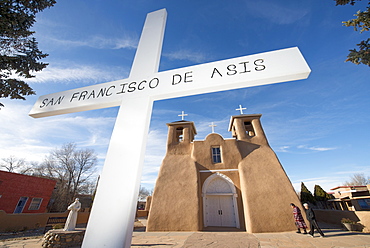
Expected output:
(318, 127)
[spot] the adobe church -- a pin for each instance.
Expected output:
(216, 182)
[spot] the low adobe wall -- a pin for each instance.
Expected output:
(142, 213)
(18, 222)
(335, 217)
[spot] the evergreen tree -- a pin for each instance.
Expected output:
(320, 194)
(306, 195)
(19, 53)
(362, 23)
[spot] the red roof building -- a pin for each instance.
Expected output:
(24, 194)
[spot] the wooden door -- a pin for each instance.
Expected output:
(220, 211)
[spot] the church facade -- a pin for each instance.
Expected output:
(224, 183)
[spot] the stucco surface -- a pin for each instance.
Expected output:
(261, 189)
(175, 202)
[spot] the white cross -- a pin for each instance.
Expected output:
(213, 127)
(112, 218)
(240, 109)
(183, 115)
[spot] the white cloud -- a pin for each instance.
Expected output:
(155, 152)
(32, 139)
(313, 148)
(363, 169)
(282, 149)
(303, 149)
(184, 54)
(69, 72)
(97, 42)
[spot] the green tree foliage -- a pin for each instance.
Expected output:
(320, 194)
(360, 23)
(19, 53)
(306, 195)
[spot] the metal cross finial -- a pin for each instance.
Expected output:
(213, 127)
(183, 115)
(240, 109)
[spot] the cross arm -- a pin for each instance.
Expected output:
(247, 71)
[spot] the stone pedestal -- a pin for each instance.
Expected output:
(61, 239)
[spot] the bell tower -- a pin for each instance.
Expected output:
(175, 202)
(248, 128)
(263, 181)
(180, 132)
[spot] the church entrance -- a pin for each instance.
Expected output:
(219, 202)
(220, 211)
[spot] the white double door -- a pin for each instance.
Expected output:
(220, 210)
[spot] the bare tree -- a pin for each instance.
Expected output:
(16, 165)
(84, 169)
(357, 179)
(144, 193)
(73, 170)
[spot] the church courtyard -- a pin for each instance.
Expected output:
(335, 237)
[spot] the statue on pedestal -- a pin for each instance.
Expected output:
(72, 216)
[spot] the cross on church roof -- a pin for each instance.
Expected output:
(213, 127)
(240, 109)
(183, 115)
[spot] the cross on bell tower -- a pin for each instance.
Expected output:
(240, 109)
(183, 115)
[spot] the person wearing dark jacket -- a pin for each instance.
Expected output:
(312, 219)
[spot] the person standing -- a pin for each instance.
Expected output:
(299, 221)
(312, 219)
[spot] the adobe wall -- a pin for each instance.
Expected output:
(16, 222)
(175, 202)
(335, 217)
(267, 193)
(202, 153)
(148, 203)
(364, 217)
(141, 213)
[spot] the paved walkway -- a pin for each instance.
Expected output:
(335, 238)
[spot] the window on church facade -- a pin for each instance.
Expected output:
(216, 154)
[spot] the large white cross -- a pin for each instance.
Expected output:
(112, 217)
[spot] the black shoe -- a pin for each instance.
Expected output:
(298, 231)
